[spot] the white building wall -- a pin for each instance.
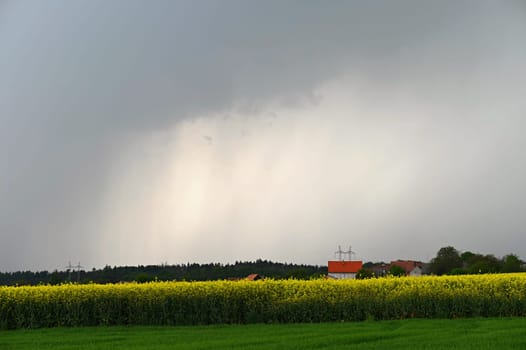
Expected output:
(416, 272)
(341, 275)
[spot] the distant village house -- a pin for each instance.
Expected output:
(344, 269)
(253, 277)
(412, 268)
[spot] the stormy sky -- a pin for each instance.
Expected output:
(145, 132)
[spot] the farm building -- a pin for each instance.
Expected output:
(379, 269)
(344, 269)
(253, 277)
(411, 268)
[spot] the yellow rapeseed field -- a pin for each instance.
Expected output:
(185, 303)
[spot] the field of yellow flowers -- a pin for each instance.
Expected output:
(190, 303)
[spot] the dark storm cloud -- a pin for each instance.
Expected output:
(77, 77)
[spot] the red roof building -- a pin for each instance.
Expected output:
(344, 268)
(253, 277)
(411, 268)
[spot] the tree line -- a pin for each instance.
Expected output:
(165, 272)
(450, 261)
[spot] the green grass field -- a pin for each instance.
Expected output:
(505, 333)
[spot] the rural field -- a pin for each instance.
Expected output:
(453, 312)
(248, 174)
(475, 333)
(267, 301)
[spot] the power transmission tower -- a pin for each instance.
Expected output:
(70, 269)
(78, 267)
(350, 253)
(340, 253)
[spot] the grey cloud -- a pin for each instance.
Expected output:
(77, 77)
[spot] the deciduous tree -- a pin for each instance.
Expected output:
(447, 259)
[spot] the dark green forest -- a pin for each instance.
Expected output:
(183, 272)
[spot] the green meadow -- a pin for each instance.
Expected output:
(473, 333)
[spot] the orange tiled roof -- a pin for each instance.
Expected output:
(253, 277)
(344, 266)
